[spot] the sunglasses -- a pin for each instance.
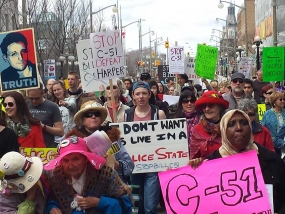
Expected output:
(238, 80)
(34, 98)
(192, 100)
(270, 92)
(251, 114)
(281, 99)
(10, 104)
(90, 114)
(114, 87)
(209, 106)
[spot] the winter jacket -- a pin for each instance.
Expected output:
(262, 136)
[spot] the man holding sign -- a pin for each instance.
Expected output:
(143, 111)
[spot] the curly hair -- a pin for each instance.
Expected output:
(247, 104)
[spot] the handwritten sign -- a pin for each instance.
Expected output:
(87, 67)
(157, 144)
(189, 69)
(228, 188)
(273, 64)
(245, 66)
(45, 154)
(261, 111)
(163, 73)
(176, 59)
(108, 55)
(206, 60)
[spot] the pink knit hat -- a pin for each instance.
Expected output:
(75, 144)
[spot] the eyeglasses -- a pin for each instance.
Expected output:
(251, 114)
(114, 87)
(10, 104)
(237, 80)
(34, 98)
(192, 100)
(270, 92)
(281, 99)
(90, 114)
(209, 106)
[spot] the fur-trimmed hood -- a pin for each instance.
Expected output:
(112, 132)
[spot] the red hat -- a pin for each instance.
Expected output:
(211, 97)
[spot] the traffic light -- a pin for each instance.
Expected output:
(152, 54)
(188, 53)
(139, 63)
(156, 62)
(166, 44)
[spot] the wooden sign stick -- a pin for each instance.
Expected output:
(114, 109)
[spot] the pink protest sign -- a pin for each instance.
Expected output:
(226, 185)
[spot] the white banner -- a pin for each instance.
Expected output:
(86, 67)
(176, 59)
(49, 69)
(245, 67)
(157, 144)
(108, 57)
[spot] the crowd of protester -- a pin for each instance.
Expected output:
(80, 181)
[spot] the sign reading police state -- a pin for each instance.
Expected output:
(217, 187)
(156, 145)
(108, 56)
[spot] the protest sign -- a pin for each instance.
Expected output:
(245, 66)
(87, 67)
(49, 69)
(108, 55)
(206, 60)
(163, 73)
(230, 188)
(157, 144)
(98, 142)
(261, 110)
(18, 62)
(171, 100)
(45, 154)
(273, 64)
(189, 69)
(176, 59)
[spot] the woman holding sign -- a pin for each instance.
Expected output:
(237, 138)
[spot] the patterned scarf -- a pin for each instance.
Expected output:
(211, 128)
(20, 129)
(192, 119)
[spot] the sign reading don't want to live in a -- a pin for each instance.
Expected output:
(108, 55)
(156, 145)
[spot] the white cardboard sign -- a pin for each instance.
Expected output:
(176, 59)
(156, 145)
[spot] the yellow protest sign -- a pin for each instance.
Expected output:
(45, 154)
(261, 110)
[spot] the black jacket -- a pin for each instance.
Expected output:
(273, 171)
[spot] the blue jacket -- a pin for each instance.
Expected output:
(106, 205)
(270, 121)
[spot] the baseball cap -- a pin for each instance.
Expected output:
(141, 84)
(145, 76)
(237, 76)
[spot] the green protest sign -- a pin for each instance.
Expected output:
(273, 64)
(206, 60)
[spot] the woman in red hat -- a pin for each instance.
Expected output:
(206, 135)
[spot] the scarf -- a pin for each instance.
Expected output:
(192, 119)
(227, 148)
(20, 129)
(212, 128)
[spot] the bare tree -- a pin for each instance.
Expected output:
(8, 14)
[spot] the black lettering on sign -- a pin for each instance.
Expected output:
(186, 204)
(160, 137)
(182, 134)
(136, 127)
(172, 124)
(140, 139)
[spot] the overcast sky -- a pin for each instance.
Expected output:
(184, 21)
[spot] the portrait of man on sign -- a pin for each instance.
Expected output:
(18, 64)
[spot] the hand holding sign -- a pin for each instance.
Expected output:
(231, 188)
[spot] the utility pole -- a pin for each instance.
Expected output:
(275, 41)
(91, 19)
(24, 13)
